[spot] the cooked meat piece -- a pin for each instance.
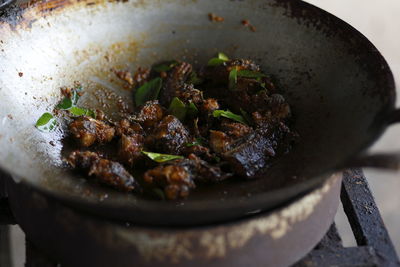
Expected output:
(125, 75)
(198, 150)
(88, 131)
(261, 119)
(125, 127)
(220, 142)
(149, 114)
(208, 106)
(174, 178)
(106, 171)
(141, 76)
(255, 151)
(206, 172)
(169, 136)
(275, 103)
(189, 94)
(235, 129)
(174, 82)
(130, 148)
(82, 160)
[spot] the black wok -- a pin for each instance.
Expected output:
(340, 88)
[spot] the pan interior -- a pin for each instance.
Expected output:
(335, 81)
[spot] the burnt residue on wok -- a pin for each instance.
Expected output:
(189, 128)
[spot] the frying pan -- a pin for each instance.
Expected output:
(340, 88)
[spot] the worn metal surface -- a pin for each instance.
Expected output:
(340, 88)
(365, 219)
(374, 245)
(279, 238)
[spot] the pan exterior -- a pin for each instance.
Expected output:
(279, 238)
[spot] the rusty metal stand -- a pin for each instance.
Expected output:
(374, 247)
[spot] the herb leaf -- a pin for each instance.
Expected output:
(233, 74)
(166, 66)
(177, 108)
(148, 91)
(228, 114)
(46, 123)
(75, 111)
(223, 57)
(191, 110)
(250, 74)
(157, 157)
(216, 61)
(67, 102)
(194, 79)
(198, 142)
(181, 110)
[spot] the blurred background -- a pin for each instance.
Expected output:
(379, 20)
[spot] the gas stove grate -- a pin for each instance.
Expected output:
(374, 247)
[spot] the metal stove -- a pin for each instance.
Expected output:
(374, 247)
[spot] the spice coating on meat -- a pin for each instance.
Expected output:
(149, 114)
(106, 171)
(175, 179)
(174, 82)
(88, 131)
(169, 136)
(220, 142)
(130, 148)
(188, 128)
(255, 151)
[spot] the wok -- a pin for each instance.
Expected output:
(339, 86)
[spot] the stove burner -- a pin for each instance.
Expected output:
(374, 247)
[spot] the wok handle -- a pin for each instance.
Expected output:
(388, 161)
(394, 117)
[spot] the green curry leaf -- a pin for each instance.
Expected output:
(198, 142)
(194, 79)
(76, 111)
(228, 114)
(177, 108)
(148, 91)
(157, 157)
(46, 123)
(69, 102)
(166, 66)
(216, 61)
(233, 79)
(250, 74)
(182, 110)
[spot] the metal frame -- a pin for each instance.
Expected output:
(374, 247)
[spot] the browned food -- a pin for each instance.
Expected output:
(175, 179)
(130, 148)
(105, 171)
(169, 136)
(149, 114)
(257, 150)
(174, 82)
(190, 127)
(88, 131)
